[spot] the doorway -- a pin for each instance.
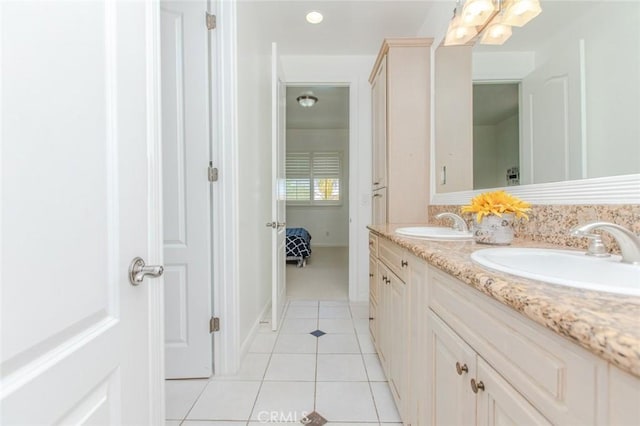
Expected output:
(317, 167)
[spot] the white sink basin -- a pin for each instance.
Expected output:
(564, 267)
(434, 233)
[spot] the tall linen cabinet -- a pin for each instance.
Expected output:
(401, 115)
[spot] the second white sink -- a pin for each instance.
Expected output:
(434, 233)
(564, 267)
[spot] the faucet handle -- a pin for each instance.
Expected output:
(596, 246)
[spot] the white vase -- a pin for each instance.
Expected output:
(494, 229)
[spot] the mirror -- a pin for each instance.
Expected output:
(576, 71)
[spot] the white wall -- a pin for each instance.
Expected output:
(495, 149)
(254, 172)
(328, 225)
(353, 71)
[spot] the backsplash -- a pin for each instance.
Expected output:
(551, 223)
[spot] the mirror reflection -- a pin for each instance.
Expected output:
(575, 72)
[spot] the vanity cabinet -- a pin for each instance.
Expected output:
(401, 130)
(435, 335)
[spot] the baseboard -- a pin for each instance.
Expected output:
(246, 343)
(327, 245)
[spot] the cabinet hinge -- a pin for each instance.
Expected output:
(214, 324)
(212, 173)
(211, 21)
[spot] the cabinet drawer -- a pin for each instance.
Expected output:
(373, 245)
(394, 257)
(560, 379)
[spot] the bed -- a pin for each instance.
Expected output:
(298, 245)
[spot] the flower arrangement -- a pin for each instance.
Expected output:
(496, 203)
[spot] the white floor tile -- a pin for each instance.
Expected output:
(296, 344)
(341, 368)
(292, 367)
(384, 402)
(360, 311)
(285, 400)
(225, 401)
(336, 325)
(302, 312)
(338, 344)
(366, 344)
(298, 325)
(335, 312)
(374, 368)
(300, 302)
(361, 325)
(252, 369)
(265, 327)
(263, 343)
(213, 423)
(172, 423)
(351, 424)
(334, 303)
(181, 395)
(345, 402)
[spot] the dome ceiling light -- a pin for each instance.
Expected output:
(307, 100)
(314, 17)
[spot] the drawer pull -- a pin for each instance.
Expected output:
(404, 263)
(476, 385)
(461, 368)
(370, 275)
(371, 318)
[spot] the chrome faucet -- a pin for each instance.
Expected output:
(458, 223)
(628, 241)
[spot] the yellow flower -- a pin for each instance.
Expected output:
(497, 202)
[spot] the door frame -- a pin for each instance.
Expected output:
(224, 193)
(354, 194)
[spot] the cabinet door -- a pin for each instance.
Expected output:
(500, 404)
(374, 297)
(450, 397)
(398, 352)
(383, 327)
(379, 117)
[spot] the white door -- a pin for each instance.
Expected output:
(186, 192)
(278, 204)
(79, 343)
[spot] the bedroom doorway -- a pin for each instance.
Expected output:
(317, 181)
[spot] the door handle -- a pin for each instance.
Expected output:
(281, 225)
(138, 270)
(273, 225)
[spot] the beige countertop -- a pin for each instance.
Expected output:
(606, 324)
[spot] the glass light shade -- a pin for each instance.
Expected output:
(496, 33)
(307, 101)
(477, 12)
(518, 12)
(458, 34)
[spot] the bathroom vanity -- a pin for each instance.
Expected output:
(461, 345)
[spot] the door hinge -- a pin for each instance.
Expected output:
(212, 173)
(214, 324)
(211, 21)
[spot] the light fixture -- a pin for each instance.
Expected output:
(307, 100)
(492, 19)
(477, 12)
(314, 17)
(518, 12)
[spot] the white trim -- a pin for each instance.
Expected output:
(607, 190)
(154, 204)
(264, 314)
(226, 346)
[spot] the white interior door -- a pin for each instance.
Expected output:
(78, 138)
(186, 192)
(278, 206)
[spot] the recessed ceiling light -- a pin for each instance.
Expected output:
(314, 17)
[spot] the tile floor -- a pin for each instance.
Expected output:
(290, 374)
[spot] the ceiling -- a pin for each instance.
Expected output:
(349, 27)
(330, 112)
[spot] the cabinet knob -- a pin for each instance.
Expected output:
(404, 263)
(475, 386)
(388, 281)
(371, 318)
(370, 275)
(461, 368)
(384, 278)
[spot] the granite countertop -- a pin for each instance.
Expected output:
(606, 324)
